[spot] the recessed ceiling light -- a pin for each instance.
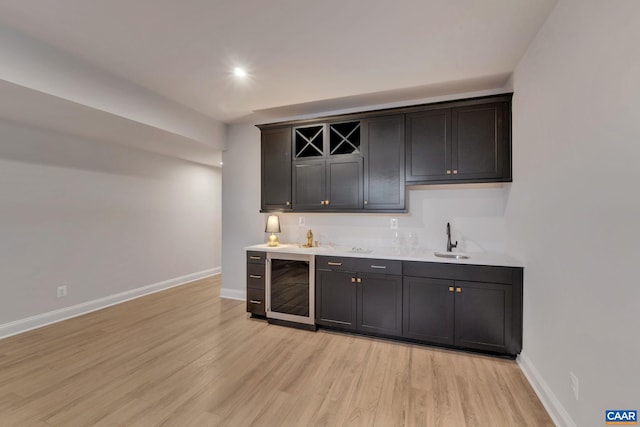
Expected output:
(240, 72)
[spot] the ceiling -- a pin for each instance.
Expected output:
(298, 53)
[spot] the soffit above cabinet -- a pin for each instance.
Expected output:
(33, 108)
(358, 115)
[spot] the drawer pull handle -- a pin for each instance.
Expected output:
(379, 266)
(255, 257)
(255, 276)
(255, 301)
(337, 264)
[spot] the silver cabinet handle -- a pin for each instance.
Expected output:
(255, 301)
(379, 266)
(338, 264)
(254, 257)
(255, 276)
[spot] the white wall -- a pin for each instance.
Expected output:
(476, 214)
(100, 218)
(574, 207)
(242, 223)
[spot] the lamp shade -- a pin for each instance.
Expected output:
(273, 224)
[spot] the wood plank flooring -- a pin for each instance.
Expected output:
(185, 357)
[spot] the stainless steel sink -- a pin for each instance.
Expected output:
(455, 255)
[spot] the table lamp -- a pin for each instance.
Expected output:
(273, 226)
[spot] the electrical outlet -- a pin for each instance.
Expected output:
(301, 221)
(575, 384)
(393, 223)
(62, 291)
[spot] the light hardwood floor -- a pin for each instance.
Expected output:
(185, 357)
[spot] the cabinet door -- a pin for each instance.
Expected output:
(276, 169)
(336, 299)
(483, 316)
(380, 304)
(344, 183)
(384, 163)
(428, 145)
(308, 184)
(309, 142)
(480, 142)
(428, 309)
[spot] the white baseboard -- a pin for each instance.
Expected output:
(558, 414)
(44, 319)
(233, 294)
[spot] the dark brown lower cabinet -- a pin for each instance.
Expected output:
(256, 283)
(465, 314)
(380, 304)
(470, 307)
(483, 316)
(359, 300)
(466, 306)
(336, 299)
(428, 310)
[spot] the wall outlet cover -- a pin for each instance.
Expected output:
(62, 291)
(575, 384)
(393, 223)
(301, 221)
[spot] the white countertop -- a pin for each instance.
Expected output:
(403, 254)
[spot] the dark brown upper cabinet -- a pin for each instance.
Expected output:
(361, 162)
(428, 145)
(276, 169)
(465, 141)
(350, 165)
(327, 167)
(383, 139)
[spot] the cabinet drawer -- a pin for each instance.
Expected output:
(255, 276)
(333, 263)
(255, 301)
(473, 273)
(359, 265)
(256, 257)
(381, 266)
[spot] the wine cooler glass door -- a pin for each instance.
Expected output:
(290, 288)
